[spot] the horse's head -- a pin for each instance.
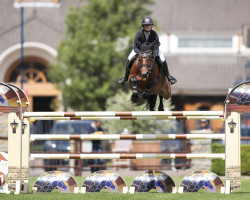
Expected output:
(146, 62)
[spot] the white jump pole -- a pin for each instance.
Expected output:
(130, 118)
(34, 137)
(123, 113)
(129, 156)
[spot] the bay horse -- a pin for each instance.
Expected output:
(147, 81)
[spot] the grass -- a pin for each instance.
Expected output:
(103, 195)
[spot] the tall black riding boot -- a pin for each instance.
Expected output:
(124, 79)
(171, 79)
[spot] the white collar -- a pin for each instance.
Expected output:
(93, 126)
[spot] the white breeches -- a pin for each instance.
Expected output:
(160, 54)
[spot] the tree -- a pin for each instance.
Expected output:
(121, 101)
(92, 55)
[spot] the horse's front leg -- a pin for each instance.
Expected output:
(134, 96)
(150, 84)
(145, 94)
(161, 106)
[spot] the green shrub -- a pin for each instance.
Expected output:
(218, 166)
(245, 159)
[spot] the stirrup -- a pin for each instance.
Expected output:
(172, 80)
(122, 80)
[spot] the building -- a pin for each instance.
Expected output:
(206, 44)
(207, 49)
(43, 28)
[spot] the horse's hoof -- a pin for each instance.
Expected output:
(160, 109)
(134, 97)
(145, 95)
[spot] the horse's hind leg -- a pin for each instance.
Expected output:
(166, 90)
(152, 102)
(161, 106)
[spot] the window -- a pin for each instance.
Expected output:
(200, 44)
(205, 43)
(34, 70)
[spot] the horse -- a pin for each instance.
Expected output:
(147, 81)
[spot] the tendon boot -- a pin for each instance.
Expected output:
(170, 78)
(124, 79)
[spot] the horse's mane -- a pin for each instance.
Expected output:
(145, 48)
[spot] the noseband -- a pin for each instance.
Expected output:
(149, 67)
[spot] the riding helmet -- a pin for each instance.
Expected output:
(147, 20)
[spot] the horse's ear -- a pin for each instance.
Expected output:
(136, 59)
(138, 55)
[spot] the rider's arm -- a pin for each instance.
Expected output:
(157, 44)
(137, 43)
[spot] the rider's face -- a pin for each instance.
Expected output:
(147, 27)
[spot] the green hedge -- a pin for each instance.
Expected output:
(218, 166)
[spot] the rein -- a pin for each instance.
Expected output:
(144, 55)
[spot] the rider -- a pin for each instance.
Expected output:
(146, 37)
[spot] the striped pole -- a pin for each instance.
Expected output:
(128, 156)
(123, 114)
(34, 137)
(129, 118)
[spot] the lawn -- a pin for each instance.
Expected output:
(243, 194)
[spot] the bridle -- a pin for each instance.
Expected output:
(145, 55)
